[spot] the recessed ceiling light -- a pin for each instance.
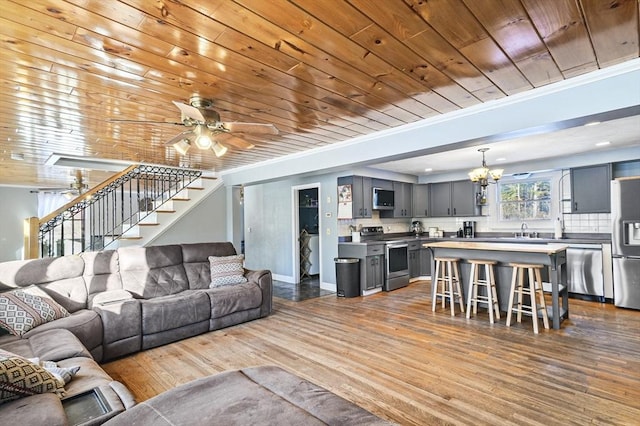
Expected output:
(428, 169)
(592, 123)
(501, 159)
(603, 143)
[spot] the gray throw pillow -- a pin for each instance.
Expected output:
(227, 270)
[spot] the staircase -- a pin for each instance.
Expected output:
(133, 207)
(151, 225)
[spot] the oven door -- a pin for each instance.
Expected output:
(397, 260)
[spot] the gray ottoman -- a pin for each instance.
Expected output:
(266, 395)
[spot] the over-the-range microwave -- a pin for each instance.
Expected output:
(383, 199)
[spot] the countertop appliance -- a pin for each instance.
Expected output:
(416, 227)
(383, 199)
(625, 241)
(469, 228)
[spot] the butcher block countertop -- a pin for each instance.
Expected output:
(520, 247)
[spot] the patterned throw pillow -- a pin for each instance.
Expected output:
(226, 270)
(24, 309)
(20, 377)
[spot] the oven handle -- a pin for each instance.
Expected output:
(400, 245)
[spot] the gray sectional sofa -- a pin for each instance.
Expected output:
(123, 301)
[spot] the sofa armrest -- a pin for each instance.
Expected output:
(121, 317)
(264, 280)
(109, 297)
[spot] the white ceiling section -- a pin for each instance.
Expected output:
(453, 138)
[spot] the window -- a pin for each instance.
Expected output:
(525, 200)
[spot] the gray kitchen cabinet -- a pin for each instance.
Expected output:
(402, 201)
(591, 189)
(421, 200)
(374, 272)
(457, 198)
(463, 198)
(361, 194)
(414, 259)
(425, 262)
(440, 199)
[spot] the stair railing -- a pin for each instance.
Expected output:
(103, 214)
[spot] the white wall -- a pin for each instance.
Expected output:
(206, 222)
(17, 205)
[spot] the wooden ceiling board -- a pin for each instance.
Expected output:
(613, 26)
(322, 72)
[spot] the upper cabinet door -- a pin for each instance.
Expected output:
(440, 200)
(591, 189)
(463, 198)
(421, 200)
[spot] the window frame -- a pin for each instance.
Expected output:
(530, 179)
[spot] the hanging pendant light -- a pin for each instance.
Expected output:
(481, 174)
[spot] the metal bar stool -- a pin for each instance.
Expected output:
(489, 282)
(532, 290)
(447, 275)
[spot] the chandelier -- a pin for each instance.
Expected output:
(481, 174)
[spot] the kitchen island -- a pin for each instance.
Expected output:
(553, 256)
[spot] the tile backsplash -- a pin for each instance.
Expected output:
(587, 223)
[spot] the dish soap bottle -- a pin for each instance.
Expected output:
(557, 229)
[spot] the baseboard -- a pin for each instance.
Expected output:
(329, 286)
(283, 278)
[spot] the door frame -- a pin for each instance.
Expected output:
(295, 203)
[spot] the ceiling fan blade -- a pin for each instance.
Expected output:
(114, 120)
(234, 140)
(264, 129)
(189, 111)
(179, 137)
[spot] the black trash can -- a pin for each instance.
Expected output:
(347, 276)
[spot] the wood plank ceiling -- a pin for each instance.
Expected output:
(321, 71)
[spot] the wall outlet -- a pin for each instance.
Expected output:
(328, 231)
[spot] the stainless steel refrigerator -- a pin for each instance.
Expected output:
(625, 241)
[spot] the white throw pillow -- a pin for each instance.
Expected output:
(227, 270)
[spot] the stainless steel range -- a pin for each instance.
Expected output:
(396, 257)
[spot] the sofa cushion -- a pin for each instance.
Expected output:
(195, 258)
(226, 300)
(24, 309)
(227, 270)
(101, 272)
(60, 277)
(50, 345)
(86, 325)
(20, 377)
(149, 272)
(169, 312)
(41, 409)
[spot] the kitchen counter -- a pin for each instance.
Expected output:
(551, 255)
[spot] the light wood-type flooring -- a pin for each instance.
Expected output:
(391, 355)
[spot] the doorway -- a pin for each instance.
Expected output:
(307, 239)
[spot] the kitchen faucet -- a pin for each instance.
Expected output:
(523, 229)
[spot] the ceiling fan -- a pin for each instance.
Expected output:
(76, 188)
(206, 131)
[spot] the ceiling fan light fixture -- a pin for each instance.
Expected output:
(219, 149)
(203, 137)
(182, 146)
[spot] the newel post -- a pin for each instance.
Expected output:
(31, 230)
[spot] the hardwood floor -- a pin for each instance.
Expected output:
(391, 355)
